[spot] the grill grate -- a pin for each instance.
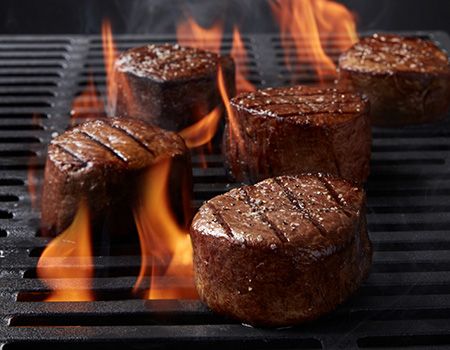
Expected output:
(405, 301)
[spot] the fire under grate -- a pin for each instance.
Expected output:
(404, 303)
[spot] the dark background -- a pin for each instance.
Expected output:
(160, 16)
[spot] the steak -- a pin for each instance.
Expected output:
(169, 85)
(284, 251)
(292, 130)
(406, 79)
(105, 163)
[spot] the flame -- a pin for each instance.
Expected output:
(109, 58)
(234, 131)
(114, 80)
(239, 54)
(165, 247)
(305, 29)
(69, 256)
(190, 33)
(203, 131)
(88, 105)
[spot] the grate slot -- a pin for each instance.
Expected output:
(411, 210)
(125, 319)
(17, 40)
(100, 295)
(413, 161)
(22, 166)
(18, 115)
(408, 267)
(8, 198)
(104, 272)
(21, 127)
(32, 64)
(31, 48)
(28, 72)
(6, 214)
(19, 140)
(403, 341)
(27, 93)
(26, 83)
(14, 104)
(31, 55)
(411, 289)
(155, 344)
(18, 153)
(11, 182)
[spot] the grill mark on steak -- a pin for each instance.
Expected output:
(338, 199)
(260, 210)
(222, 222)
(134, 138)
(72, 154)
(116, 154)
(301, 206)
(148, 139)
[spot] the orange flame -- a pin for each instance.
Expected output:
(306, 27)
(234, 131)
(66, 264)
(166, 249)
(88, 105)
(240, 56)
(114, 80)
(190, 33)
(203, 131)
(109, 57)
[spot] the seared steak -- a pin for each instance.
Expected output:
(281, 252)
(291, 130)
(406, 79)
(169, 85)
(105, 162)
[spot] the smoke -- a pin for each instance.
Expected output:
(162, 16)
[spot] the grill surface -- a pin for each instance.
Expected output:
(404, 302)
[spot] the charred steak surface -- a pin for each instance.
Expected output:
(406, 79)
(170, 85)
(292, 130)
(283, 251)
(168, 62)
(103, 161)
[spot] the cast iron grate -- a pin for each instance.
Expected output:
(405, 301)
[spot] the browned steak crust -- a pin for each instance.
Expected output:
(169, 85)
(406, 79)
(298, 129)
(283, 251)
(104, 161)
